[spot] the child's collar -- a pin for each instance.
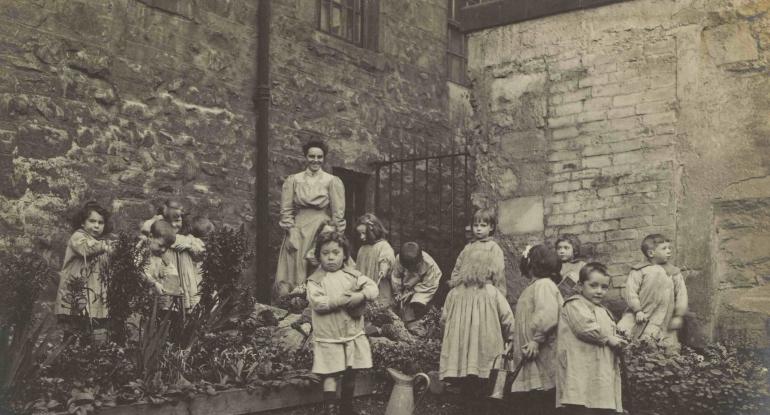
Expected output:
(485, 239)
(319, 274)
(668, 267)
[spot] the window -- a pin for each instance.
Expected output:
(457, 47)
(342, 18)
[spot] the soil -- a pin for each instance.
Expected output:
(446, 404)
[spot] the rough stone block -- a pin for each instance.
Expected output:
(621, 112)
(565, 186)
(604, 225)
(660, 118)
(567, 109)
(557, 122)
(562, 133)
(596, 162)
(578, 95)
(589, 216)
(730, 43)
(631, 157)
(521, 215)
(623, 234)
(589, 116)
(599, 103)
(558, 220)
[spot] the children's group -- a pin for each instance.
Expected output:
(562, 343)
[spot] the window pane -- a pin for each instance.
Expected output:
(324, 16)
(335, 26)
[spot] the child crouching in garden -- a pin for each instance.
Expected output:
(477, 321)
(588, 375)
(534, 340)
(337, 298)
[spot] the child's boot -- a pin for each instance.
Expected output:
(331, 405)
(347, 393)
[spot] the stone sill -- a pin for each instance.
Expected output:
(360, 55)
(240, 401)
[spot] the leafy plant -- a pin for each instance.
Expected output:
(152, 339)
(715, 381)
(127, 290)
(23, 276)
(227, 255)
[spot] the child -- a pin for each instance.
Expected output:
(171, 210)
(568, 250)
(337, 297)
(187, 252)
(656, 296)
(415, 280)
(484, 223)
(375, 257)
(327, 226)
(588, 374)
(477, 320)
(159, 271)
(85, 255)
(534, 340)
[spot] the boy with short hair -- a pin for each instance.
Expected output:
(415, 280)
(656, 295)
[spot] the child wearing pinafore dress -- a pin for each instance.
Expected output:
(85, 256)
(568, 250)
(484, 223)
(534, 340)
(477, 322)
(588, 373)
(376, 257)
(337, 298)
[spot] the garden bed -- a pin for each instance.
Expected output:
(240, 401)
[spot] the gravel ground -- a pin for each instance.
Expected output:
(375, 405)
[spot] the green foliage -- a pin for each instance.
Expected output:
(23, 276)
(715, 381)
(409, 358)
(127, 290)
(227, 254)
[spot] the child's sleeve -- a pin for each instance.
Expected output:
(507, 321)
(680, 296)
(498, 269)
(319, 300)
(86, 246)
(385, 263)
(546, 315)
(454, 279)
(426, 288)
(288, 210)
(396, 277)
(582, 321)
(368, 287)
(337, 202)
(631, 293)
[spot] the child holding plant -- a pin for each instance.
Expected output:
(337, 298)
(588, 374)
(84, 257)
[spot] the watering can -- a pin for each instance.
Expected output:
(402, 397)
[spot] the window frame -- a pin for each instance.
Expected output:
(356, 8)
(454, 25)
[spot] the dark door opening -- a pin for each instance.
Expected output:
(355, 201)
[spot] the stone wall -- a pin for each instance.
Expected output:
(131, 101)
(631, 119)
(125, 102)
(368, 105)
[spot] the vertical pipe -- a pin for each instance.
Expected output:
(452, 209)
(377, 198)
(467, 196)
(426, 213)
(401, 200)
(390, 199)
(440, 193)
(262, 189)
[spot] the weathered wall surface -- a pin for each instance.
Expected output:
(125, 102)
(367, 105)
(630, 119)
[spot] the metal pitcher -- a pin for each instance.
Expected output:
(402, 397)
(501, 379)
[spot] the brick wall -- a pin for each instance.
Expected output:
(625, 120)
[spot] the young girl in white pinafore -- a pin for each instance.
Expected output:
(376, 257)
(534, 340)
(337, 298)
(85, 256)
(568, 249)
(588, 374)
(483, 227)
(477, 321)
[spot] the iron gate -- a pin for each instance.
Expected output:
(426, 200)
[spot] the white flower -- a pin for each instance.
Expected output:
(525, 254)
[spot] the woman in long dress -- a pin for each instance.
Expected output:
(308, 198)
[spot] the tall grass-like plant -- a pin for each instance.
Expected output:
(127, 290)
